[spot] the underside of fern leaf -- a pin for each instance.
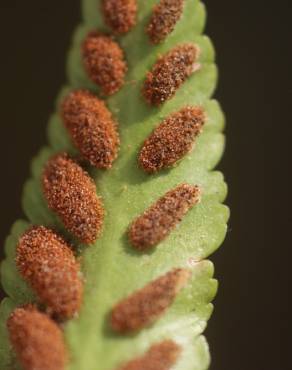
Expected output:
(111, 267)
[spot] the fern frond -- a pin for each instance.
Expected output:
(112, 268)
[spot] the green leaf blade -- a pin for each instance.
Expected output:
(111, 267)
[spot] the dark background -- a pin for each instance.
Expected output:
(251, 325)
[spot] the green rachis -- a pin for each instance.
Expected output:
(164, 76)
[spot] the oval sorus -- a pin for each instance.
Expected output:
(165, 16)
(36, 339)
(48, 264)
(169, 73)
(160, 356)
(120, 15)
(172, 139)
(104, 62)
(148, 304)
(71, 193)
(92, 128)
(156, 223)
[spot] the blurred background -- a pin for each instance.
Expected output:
(251, 327)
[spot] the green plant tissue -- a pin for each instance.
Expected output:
(111, 267)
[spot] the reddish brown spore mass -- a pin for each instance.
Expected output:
(71, 193)
(92, 128)
(172, 139)
(120, 15)
(161, 356)
(148, 304)
(48, 264)
(37, 340)
(164, 18)
(156, 223)
(169, 73)
(104, 62)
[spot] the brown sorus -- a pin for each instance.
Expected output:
(156, 223)
(148, 304)
(48, 264)
(164, 18)
(71, 193)
(169, 73)
(120, 15)
(92, 128)
(172, 139)
(161, 356)
(104, 62)
(37, 340)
